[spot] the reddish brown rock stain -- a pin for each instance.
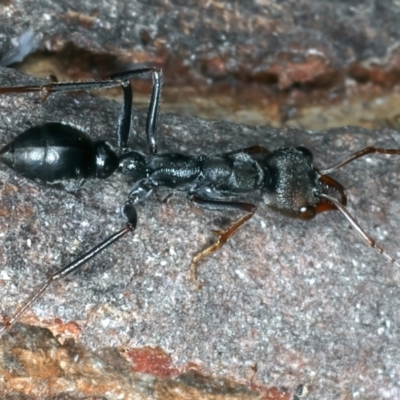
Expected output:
(152, 360)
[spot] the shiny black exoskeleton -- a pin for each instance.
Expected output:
(232, 174)
(55, 153)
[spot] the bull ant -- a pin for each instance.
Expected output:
(55, 153)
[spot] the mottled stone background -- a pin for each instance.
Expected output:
(287, 309)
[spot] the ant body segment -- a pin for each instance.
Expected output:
(56, 153)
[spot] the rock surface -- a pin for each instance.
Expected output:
(268, 57)
(291, 42)
(284, 305)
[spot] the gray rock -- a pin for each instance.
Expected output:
(303, 302)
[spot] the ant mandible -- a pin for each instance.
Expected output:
(57, 153)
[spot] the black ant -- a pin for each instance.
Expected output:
(56, 153)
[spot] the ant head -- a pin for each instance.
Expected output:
(292, 183)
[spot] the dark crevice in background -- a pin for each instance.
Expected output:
(249, 95)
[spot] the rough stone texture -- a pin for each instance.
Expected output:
(45, 368)
(273, 55)
(285, 303)
(286, 42)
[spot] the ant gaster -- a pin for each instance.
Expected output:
(55, 153)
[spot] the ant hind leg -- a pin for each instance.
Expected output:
(129, 213)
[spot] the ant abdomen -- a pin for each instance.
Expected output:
(55, 152)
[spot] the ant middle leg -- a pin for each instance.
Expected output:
(223, 235)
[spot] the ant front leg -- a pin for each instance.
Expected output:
(131, 216)
(223, 235)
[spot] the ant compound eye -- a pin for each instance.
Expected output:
(307, 212)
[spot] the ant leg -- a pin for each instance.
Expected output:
(131, 216)
(53, 78)
(107, 82)
(140, 192)
(152, 114)
(367, 239)
(359, 154)
(124, 119)
(224, 235)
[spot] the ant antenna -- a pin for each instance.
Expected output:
(367, 239)
(128, 211)
(358, 154)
